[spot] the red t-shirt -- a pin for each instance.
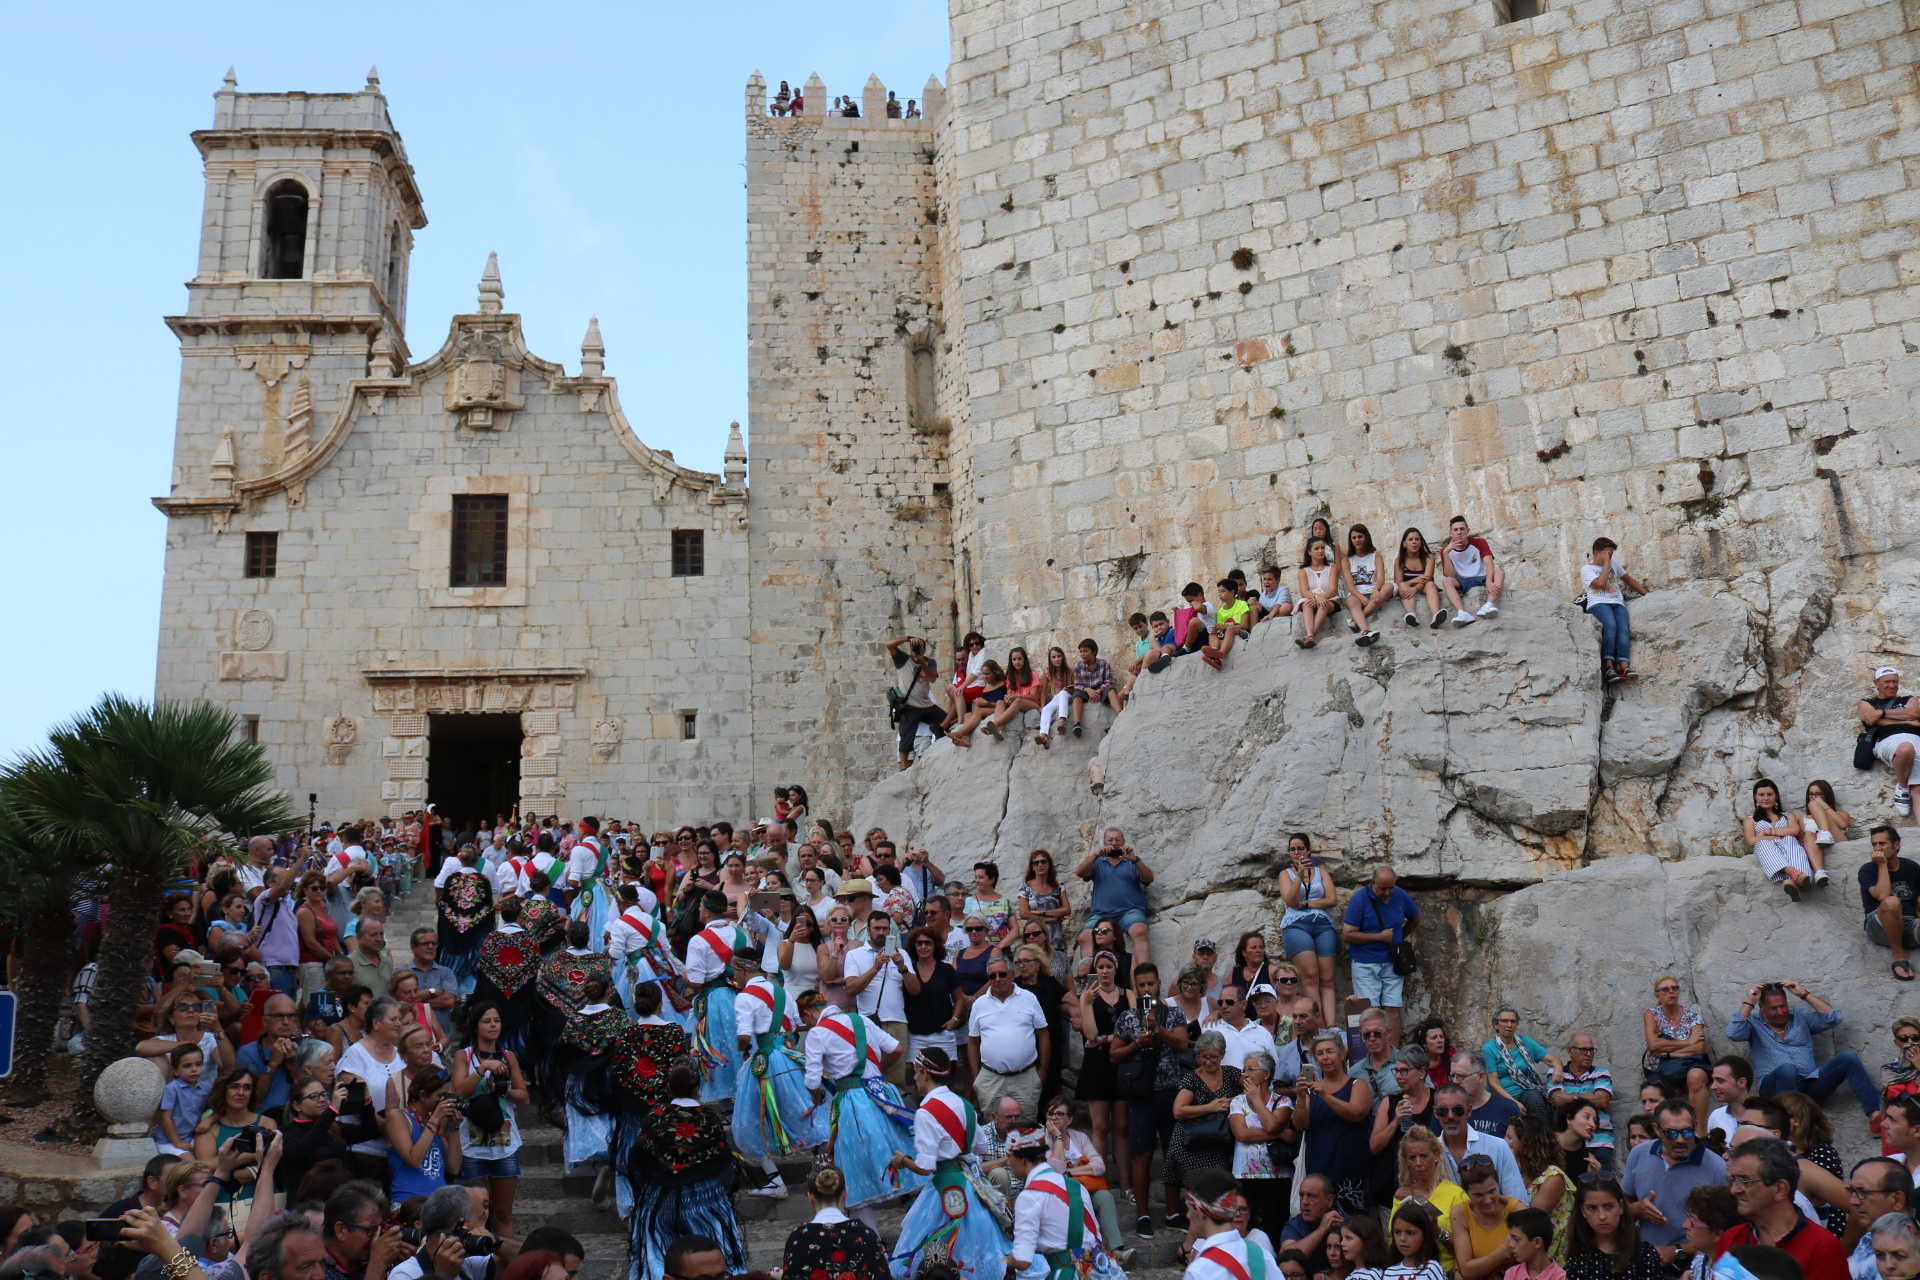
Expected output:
(1812, 1246)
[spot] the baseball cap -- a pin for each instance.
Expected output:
(1881, 673)
(1261, 989)
(1205, 944)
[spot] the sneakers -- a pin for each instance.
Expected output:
(1823, 837)
(1412, 621)
(775, 1189)
(1367, 638)
(1440, 619)
(1124, 1256)
(1820, 878)
(1143, 1226)
(1461, 618)
(1076, 731)
(1902, 801)
(1176, 1221)
(1488, 609)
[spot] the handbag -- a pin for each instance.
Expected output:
(1863, 750)
(1210, 1131)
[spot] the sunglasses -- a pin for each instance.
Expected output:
(976, 928)
(1449, 1111)
(1906, 1039)
(1666, 990)
(1035, 933)
(1679, 1135)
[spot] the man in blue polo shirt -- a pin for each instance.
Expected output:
(1377, 921)
(1120, 883)
(269, 1059)
(1661, 1174)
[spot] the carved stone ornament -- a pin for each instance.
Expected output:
(253, 630)
(607, 733)
(480, 386)
(342, 733)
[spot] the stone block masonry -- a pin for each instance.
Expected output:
(1214, 267)
(848, 530)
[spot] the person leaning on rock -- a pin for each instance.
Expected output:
(1890, 895)
(1893, 719)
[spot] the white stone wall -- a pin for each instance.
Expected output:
(1633, 268)
(849, 538)
(591, 639)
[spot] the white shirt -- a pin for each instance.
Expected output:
(249, 877)
(931, 1141)
(956, 942)
(447, 868)
(1231, 1242)
(349, 855)
(1243, 1040)
(510, 878)
(830, 1056)
(885, 997)
(1006, 1029)
(624, 939)
(703, 966)
(358, 1061)
(544, 863)
(828, 1214)
(752, 1015)
(1040, 1218)
(1588, 572)
(1723, 1123)
(583, 861)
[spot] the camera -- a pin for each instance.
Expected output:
(413, 1237)
(248, 1139)
(106, 1230)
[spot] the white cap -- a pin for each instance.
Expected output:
(1881, 673)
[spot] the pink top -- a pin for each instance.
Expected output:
(1552, 1271)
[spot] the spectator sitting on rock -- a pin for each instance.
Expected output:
(781, 99)
(1890, 894)
(1775, 837)
(1192, 620)
(1782, 1045)
(1319, 590)
(1517, 1065)
(1092, 682)
(1676, 1037)
(1584, 1079)
(992, 694)
(966, 684)
(1056, 693)
(1276, 598)
(1413, 576)
(1467, 562)
(1367, 585)
(914, 675)
(1893, 719)
(1821, 817)
(1143, 647)
(1603, 579)
(1023, 691)
(1232, 618)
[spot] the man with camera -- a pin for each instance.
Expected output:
(359, 1246)
(1120, 883)
(911, 698)
(444, 1247)
(876, 978)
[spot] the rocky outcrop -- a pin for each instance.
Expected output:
(1569, 840)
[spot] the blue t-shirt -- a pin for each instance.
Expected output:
(1116, 888)
(254, 1057)
(1368, 914)
(186, 1103)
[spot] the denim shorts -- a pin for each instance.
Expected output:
(1313, 933)
(1127, 919)
(507, 1166)
(1150, 1122)
(1468, 584)
(1379, 984)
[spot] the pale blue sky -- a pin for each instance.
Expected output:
(598, 147)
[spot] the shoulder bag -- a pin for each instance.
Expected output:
(1404, 959)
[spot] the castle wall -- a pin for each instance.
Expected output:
(848, 538)
(1642, 269)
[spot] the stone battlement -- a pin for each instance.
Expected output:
(873, 105)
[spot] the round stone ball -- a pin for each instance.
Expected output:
(128, 1091)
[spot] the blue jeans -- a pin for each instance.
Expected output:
(1843, 1067)
(1616, 637)
(1314, 934)
(284, 978)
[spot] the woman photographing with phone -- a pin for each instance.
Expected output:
(424, 1136)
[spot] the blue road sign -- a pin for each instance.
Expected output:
(8, 1006)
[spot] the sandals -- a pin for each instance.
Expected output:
(1304, 642)
(1045, 740)
(1899, 975)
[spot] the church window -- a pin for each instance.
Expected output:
(479, 540)
(284, 252)
(689, 725)
(394, 255)
(689, 553)
(1517, 10)
(263, 555)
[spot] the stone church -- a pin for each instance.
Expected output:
(1146, 288)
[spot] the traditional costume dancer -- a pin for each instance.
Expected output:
(679, 1172)
(773, 1114)
(710, 955)
(954, 1218)
(1055, 1234)
(847, 1054)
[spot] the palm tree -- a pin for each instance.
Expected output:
(43, 884)
(141, 786)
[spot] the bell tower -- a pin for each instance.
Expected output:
(302, 280)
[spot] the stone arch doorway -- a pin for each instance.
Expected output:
(473, 765)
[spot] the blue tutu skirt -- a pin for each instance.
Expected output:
(805, 1125)
(587, 1137)
(975, 1243)
(718, 1081)
(864, 1140)
(663, 1213)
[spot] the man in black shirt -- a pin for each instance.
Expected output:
(118, 1264)
(1890, 895)
(1894, 722)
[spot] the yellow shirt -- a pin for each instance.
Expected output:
(1487, 1239)
(1232, 615)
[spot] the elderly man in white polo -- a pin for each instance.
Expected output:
(1007, 1041)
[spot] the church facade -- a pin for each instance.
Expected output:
(461, 578)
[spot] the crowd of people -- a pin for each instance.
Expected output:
(700, 1009)
(788, 101)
